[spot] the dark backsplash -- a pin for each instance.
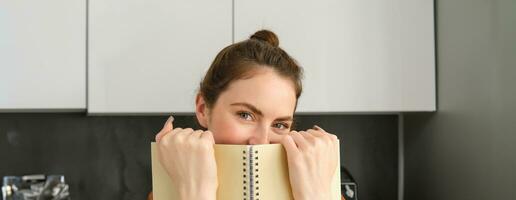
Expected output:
(109, 157)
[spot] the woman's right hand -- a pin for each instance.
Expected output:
(189, 159)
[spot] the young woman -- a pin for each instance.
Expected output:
(248, 96)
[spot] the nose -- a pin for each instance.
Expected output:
(261, 136)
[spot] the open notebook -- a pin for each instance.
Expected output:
(245, 172)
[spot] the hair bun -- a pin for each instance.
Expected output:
(266, 36)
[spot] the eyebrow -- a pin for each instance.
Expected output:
(257, 111)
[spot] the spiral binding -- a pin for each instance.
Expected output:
(251, 189)
(245, 170)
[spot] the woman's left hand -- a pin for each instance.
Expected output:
(312, 162)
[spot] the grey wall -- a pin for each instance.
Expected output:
(109, 157)
(467, 150)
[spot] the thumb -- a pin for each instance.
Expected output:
(290, 146)
(166, 128)
(168, 125)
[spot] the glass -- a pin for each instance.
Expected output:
(35, 187)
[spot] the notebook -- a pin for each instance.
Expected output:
(245, 172)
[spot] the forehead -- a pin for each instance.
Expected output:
(266, 90)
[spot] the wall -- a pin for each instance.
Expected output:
(467, 149)
(109, 157)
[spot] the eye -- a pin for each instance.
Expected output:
(281, 126)
(245, 115)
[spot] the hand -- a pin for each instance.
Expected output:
(189, 159)
(311, 162)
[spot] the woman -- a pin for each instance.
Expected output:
(248, 96)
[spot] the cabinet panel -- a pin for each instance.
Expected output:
(42, 55)
(150, 56)
(358, 56)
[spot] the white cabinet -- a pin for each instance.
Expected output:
(42, 55)
(358, 56)
(150, 56)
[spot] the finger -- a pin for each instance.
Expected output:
(308, 135)
(166, 128)
(299, 140)
(325, 137)
(333, 137)
(184, 132)
(319, 128)
(169, 136)
(313, 136)
(290, 146)
(197, 134)
(182, 135)
(208, 135)
(316, 133)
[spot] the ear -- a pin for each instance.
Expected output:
(201, 111)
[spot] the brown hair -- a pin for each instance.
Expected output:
(240, 60)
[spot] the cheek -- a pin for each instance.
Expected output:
(229, 131)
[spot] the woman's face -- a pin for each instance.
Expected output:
(257, 110)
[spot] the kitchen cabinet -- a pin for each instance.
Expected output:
(358, 56)
(42, 55)
(150, 56)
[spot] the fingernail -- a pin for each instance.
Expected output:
(318, 128)
(171, 119)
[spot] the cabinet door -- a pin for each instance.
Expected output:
(149, 56)
(42, 55)
(358, 56)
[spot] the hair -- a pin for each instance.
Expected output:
(241, 60)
